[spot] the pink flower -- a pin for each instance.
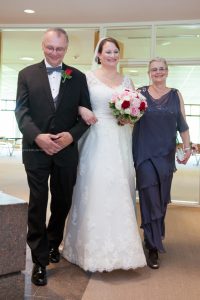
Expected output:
(135, 111)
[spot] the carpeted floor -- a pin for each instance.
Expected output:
(177, 278)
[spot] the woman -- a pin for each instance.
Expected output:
(102, 232)
(154, 146)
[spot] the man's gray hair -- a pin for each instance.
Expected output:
(59, 31)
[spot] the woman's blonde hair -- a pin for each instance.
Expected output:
(157, 59)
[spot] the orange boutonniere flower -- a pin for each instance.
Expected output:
(66, 74)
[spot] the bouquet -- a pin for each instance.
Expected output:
(128, 106)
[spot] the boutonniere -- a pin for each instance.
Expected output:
(66, 74)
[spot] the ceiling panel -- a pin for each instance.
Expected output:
(93, 11)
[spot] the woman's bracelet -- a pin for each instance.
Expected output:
(187, 148)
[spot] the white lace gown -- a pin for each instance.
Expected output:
(102, 232)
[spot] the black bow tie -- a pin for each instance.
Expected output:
(50, 70)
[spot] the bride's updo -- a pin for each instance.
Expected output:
(102, 43)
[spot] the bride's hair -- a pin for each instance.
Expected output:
(101, 44)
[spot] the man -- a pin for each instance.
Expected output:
(47, 114)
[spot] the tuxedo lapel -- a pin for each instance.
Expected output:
(45, 82)
(63, 86)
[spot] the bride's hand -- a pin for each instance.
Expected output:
(87, 115)
(123, 122)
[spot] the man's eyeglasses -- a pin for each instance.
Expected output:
(161, 69)
(58, 49)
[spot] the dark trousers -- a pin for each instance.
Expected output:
(154, 195)
(61, 181)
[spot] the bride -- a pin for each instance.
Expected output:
(102, 232)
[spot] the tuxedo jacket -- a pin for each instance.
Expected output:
(35, 113)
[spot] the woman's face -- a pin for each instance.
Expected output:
(109, 55)
(158, 72)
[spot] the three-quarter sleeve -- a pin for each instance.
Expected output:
(181, 123)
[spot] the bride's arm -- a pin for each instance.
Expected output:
(87, 115)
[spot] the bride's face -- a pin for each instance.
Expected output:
(109, 55)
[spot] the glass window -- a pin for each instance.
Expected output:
(8, 126)
(135, 42)
(138, 74)
(22, 47)
(178, 41)
(186, 79)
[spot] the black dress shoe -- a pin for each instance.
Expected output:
(54, 255)
(39, 276)
(152, 260)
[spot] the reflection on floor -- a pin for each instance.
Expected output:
(65, 281)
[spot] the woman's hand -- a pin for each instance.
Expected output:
(87, 115)
(186, 156)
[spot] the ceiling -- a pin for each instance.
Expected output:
(101, 11)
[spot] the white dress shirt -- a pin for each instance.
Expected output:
(54, 81)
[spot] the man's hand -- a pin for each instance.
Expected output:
(64, 139)
(47, 143)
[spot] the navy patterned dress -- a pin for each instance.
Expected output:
(154, 146)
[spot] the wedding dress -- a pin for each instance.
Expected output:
(102, 232)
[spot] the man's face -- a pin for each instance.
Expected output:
(54, 47)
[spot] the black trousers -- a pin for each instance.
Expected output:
(60, 181)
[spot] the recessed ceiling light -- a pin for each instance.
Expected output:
(133, 71)
(29, 11)
(27, 58)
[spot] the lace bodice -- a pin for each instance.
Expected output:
(100, 93)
